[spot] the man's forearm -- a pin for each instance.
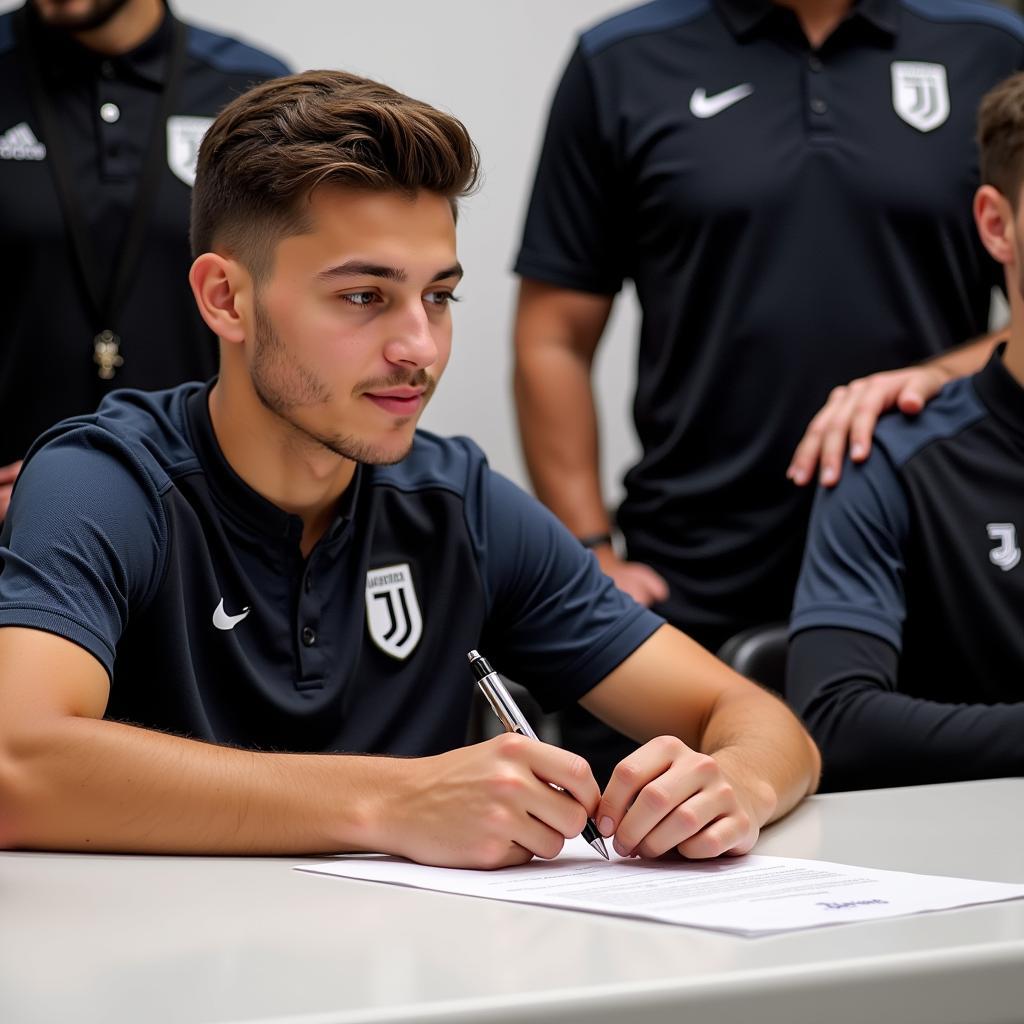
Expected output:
(759, 742)
(558, 426)
(86, 784)
(872, 738)
(971, 356)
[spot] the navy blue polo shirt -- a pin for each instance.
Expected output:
(791, 218)
(907, 653)
(130, 535)
(106, 107)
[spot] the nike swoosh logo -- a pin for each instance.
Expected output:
(702, 105)
(222, 620)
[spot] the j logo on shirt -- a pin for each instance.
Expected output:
(1007, 555)
(920, 93)
(392, 611)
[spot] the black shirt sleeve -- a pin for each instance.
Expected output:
(556, 623)
(82, 547)
(573, 235)
(843, 684)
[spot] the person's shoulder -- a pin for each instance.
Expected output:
(647, 19)
(231, 56)
(435, 463)
(954, 410)
(968, 12)
(142, 431)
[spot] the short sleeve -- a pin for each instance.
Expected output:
(853, 566)
(573, 235)
(556, 624)
(80, 548)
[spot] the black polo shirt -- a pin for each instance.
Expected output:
(106, 107)
(791, 218)
(130, 535)
(907, 658)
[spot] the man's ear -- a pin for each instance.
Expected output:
(993, 215)
(217, 284)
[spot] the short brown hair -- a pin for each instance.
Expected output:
(1001, 137)
(270, 147)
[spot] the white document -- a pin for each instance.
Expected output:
(749, 895)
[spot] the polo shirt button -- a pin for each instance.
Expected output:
(819, 106)
(814, 63)
(110, 112)
(308, 636)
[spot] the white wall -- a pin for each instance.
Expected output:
(494, 65)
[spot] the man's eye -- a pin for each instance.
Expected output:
(441, 298)
(359, 298)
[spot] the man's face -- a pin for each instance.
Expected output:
(78, 15)
(353, 328)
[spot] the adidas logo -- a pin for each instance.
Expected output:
(19, 143)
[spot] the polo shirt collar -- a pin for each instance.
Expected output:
(238, 498)
(744, 16)
(64, 58)
(1001, 393)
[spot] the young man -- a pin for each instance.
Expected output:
(788, 185)
(102, 106)
(206, 590)
(907, 656)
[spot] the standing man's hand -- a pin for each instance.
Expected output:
(851, 413)
(640, 581)
(667, 796)
(8, 474)
(489, 805)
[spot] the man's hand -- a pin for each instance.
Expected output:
(640, 581)
(850, 414)
(486, 806)
(666, 796)
(8, 474)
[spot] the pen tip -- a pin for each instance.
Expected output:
(473, 655)
(598, 844)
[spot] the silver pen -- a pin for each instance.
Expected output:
(513, 720)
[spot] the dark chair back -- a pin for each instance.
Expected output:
(759, 653)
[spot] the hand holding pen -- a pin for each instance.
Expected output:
(513, 720)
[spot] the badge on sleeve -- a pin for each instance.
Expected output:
(392, 611)
(920, 94)
(183, 137)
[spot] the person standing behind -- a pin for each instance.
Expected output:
(103, 104)
(908, 626)
(789, 188)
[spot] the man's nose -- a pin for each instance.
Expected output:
(410, 341)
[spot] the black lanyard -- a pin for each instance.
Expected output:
(105, 299)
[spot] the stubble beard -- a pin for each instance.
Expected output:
(100, 12)
(282, 387)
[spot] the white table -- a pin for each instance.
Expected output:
(151, 939)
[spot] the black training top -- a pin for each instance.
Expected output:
(907, 660)
(792, 219)
(106, 107)
(130, 535)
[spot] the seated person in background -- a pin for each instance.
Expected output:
(907, 652)
(206, 590)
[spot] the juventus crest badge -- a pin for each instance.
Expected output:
(392, 611)
(920, 93)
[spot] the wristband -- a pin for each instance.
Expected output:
(595, 540)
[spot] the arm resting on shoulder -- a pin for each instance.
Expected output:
(852, 411)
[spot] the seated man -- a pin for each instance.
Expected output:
(907, 652)
(206, 590)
